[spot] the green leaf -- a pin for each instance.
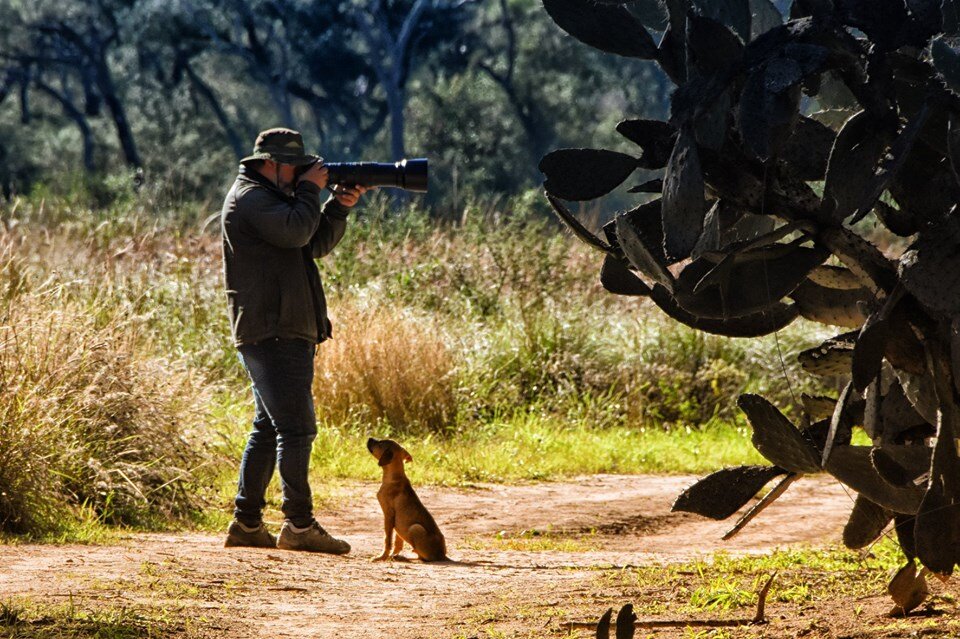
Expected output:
(656, 138)
(733, 13)
(776, 438)
(726, 491)
(585, 174)
(620, 280)
(866, 523)
(852, 466)
(753, 325)
(769, 107)
(807, 150)
(684, 206)
(835, 277)
(831, 306)
(900, 465)
(574, 225)
(833, 357)
(938, 519)
(930, 270)
(638, 239)
(607, 27)
(712, 46)
(853, 160)
(747, 282)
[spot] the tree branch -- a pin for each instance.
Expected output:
(74, 114)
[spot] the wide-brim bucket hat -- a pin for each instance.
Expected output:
(281, 145)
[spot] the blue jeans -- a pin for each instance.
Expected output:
(284, 428)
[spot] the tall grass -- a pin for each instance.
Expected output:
(385, 365)
(92, 425)
(116, 361)
(521, 311)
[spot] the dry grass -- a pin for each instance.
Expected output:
(115, 352)
(385, 365)
(91, 424)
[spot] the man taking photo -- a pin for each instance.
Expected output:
(273, 227)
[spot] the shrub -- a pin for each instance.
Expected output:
(385, 365)
(89, 423)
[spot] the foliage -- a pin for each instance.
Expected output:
(180, 90)
(739, 240)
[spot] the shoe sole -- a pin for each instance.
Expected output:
(236, 544)
(325, 552)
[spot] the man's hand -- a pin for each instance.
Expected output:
(348, 195)
(317, 173)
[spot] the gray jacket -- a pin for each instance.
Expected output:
(270, 240)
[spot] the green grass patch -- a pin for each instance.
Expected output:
(725, 583)
(73, 530)
(817, 592)
(537, 447)
(24, 619)
(532, 540)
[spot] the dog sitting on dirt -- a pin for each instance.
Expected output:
(403, 512)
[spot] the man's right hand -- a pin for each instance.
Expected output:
(317, 173)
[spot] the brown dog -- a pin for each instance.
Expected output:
(403, 511)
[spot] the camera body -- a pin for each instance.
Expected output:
(409, 175)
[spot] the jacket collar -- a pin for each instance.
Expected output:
(248, 174)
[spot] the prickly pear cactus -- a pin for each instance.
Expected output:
(784, 132)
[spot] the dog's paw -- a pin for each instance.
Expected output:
(381, 558)
(400, 558)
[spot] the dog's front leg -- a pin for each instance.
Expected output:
(387, 538)
(397, 544)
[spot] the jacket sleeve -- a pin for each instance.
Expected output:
(281, 223)
(333, 223)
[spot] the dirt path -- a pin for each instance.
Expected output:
(611, 522)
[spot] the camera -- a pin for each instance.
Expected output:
(409, 175)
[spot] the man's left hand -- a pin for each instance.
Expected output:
(348, 195)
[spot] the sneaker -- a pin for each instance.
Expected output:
(240, 535)
(313, 538)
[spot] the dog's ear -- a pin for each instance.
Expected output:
(386, 457)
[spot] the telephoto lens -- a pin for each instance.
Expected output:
(409, 175)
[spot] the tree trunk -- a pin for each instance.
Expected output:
(118, 113)
(281, 101)
(395, 101)
(79, 118)
(204, 90)
(24, 100)
(537, 129)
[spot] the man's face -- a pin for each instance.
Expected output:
(282, 175)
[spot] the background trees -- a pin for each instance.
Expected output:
(92, 88)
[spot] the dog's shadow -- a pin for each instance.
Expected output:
(467, 564)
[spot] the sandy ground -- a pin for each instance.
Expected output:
(618, 520)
